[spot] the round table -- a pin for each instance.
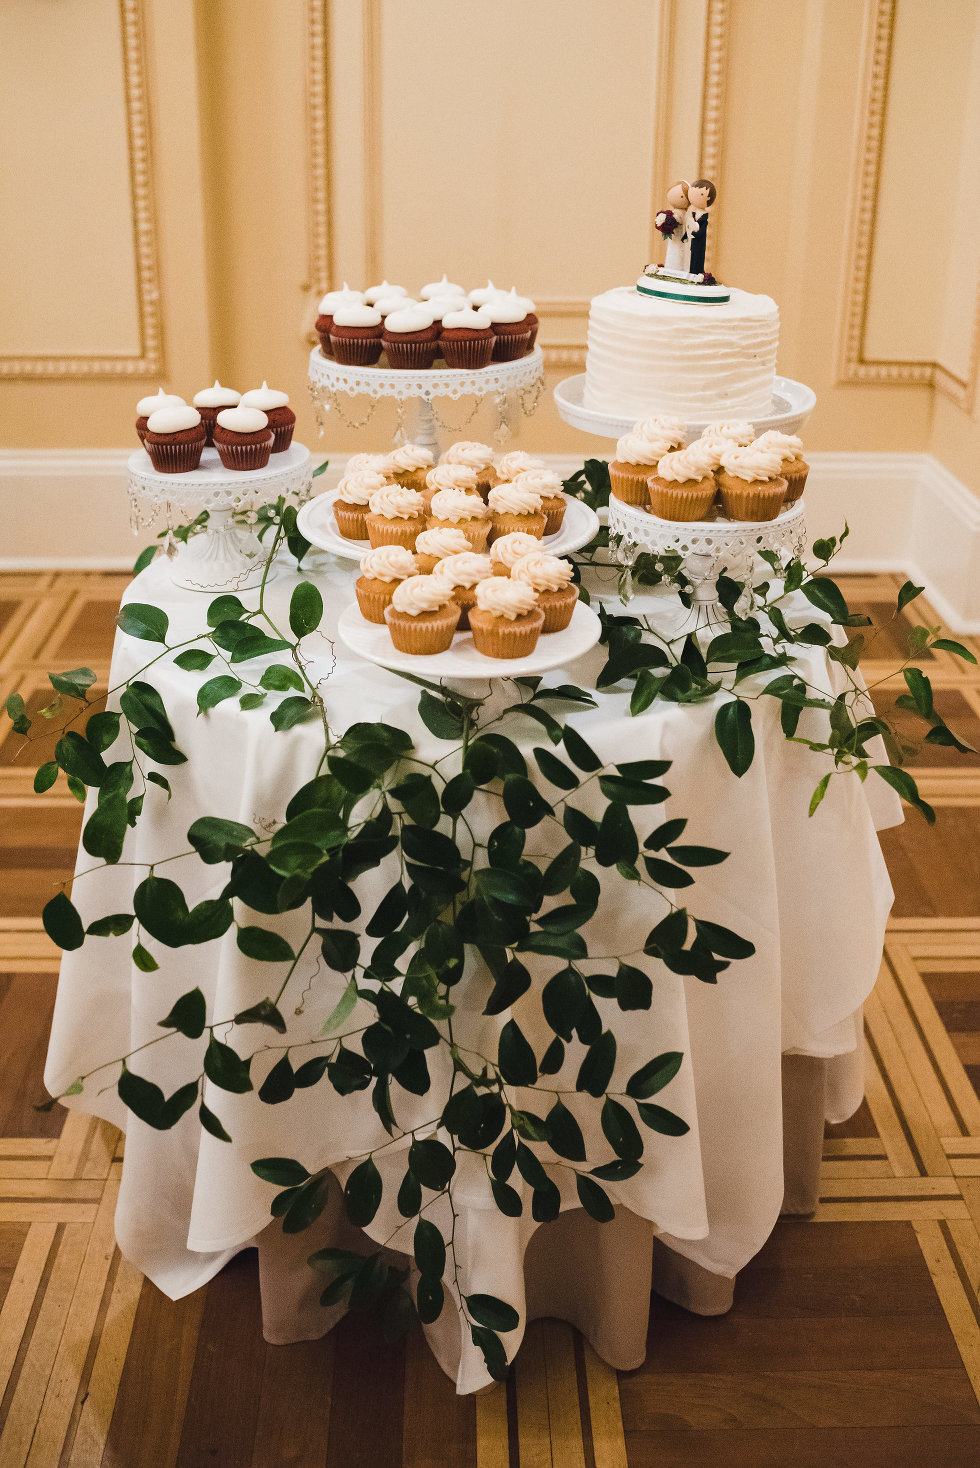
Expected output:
(811, 894)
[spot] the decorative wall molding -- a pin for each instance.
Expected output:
(854, 365)
(318, 162)
(713, 104)
(149, 360)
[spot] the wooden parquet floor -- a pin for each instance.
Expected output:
(855, 1337)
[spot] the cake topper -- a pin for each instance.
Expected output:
(683, 223)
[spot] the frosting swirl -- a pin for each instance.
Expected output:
(483, 293)
(636, 448)
(159, 399)
(358, 485)
(451, 476)
(218, 397)
(736, 430)
(683, 465)
(440, 305)
(542, 572)
(468, 318)
(505, 598)
(660, 426)
(752, 461)
(544, 482)
(412, 318)
(464, 569)
(441, 542)
(516, 462)
(265, 397)
(395, 502)
(508, 549)
(788, 444)
(388, 304)
(418, 594)
(379, 292)
(514, 499)
(356, 315)
(408, 456)
(388, 563)
(175, 420)
(505, 307)
(455, 504)
(366, 461)
(474, 455)
(333, 299)
(444, 287)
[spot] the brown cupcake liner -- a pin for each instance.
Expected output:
(751, 500)
(245, 456)
(507, 348)
(465, 599)
(628, 482)
(681, 502)
(501, 637)
(476, 531)
(282, 437)
(384, 531)
(373, 597)
(558, 607)
(505, 523)
(425, 634)
(534, 331)
(468, 354)
(795, 475)
(175, 458)
(351, 520)
(208, 418)
(411, 479)
(353, 351)
(409, 356)
(325, 346)
(141, 429)
(554, 507)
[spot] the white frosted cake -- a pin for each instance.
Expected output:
(696, 362)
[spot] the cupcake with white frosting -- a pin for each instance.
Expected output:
(209, 403)
(663, 428)
(243, 438)
(326, 308)
(483, 293)
(366, 461)
(423, 615)
(410, 338)
(515, 507)
(550, 577)
(530, 319)
(375, 293)
(444, 287)
(464, 572)
(507, 550)
(448, 476)
(509, 465)
(506, 621)
(381, 571)
(475, 456)
(683, 486)
(408, 464)
(433, 546)
(441, 306)
(795, 467)
(387, 304)
(467, 338)
(355, 336)
(350, 508)
(395, 516)
(736, 430)
(547, 484)
(175, 439)
(455, 509)
(275, 405)
(152, 404)
(751, 482)
(637, 455)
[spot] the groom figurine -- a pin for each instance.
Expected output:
(701, 195)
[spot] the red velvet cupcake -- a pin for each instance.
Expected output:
(326, 308)
(355, 335)
(175, 440)
(243, 438)
(410, 337)
(508, 320)
(467, 339)
(209, 403)
(275, 406)
(146, 406)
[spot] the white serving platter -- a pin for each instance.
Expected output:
(792, 404)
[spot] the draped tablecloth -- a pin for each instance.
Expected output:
(812, 895)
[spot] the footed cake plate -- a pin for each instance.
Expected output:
(317, 523)
(792, 404)
(462, 661)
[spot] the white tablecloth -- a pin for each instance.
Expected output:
(811, 894)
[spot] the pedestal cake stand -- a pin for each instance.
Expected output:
(792, 404)
(512, 385)
(225, 556)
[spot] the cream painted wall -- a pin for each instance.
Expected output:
(292, 144)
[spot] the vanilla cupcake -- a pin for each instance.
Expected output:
(550, 578)
(736, 430)
(395, 516)
(175, 439)
(509, 465)
(751, 481)
(515, 507)
(381, 571)
(683, 486)
(433, 546)
(408, 465)
(209, 403)
(448, 476)
(148, 405)
(366, 461)
(506, 621)
(409, 338)
(350, 508)
(547, 484)
(464, 572)
(475, 456)
(508, 550)
(637, 456)
(795, 468)
(664, 429)
(454, 509)
(275, 405)
(326, 308)
(243, 438)
(422, 616)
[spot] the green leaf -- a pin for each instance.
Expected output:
(212, 1123)
(620, 1131)
(698, 856)
(189, 1015)
(824, 593)
(494, 1355)
(341, 1009)
(226, 1068)
(432, 1163)
(251, 701)
(46, 775)
(507, 1199)
(458, 793)
(139, 619)
(73, 683)
(430, 1250)
(665, 835)
(62, 923)
(340, 948)
(77, 757)
(279, 1085)
(409, 1195)
(819, 793)
(946, 644)
(594, 1200)
(162, 910)
(416, 793)
(616, 1172)
(440, 720)
(617, 840)
(292, 711)
(225, 609)
(264, 1013)
(631, 792)
(158, 747)
(280, 677)
(665, 874)
(216, 840)
(283, 1172)
(305, 609)
(908, 593)
(660, 1120)
(101, 730)
(597, 1068)
(194, 660)
(653, 1076)
(311, 1072)
(142, 1097)
(580, 753)
(903, 782)
(264, 945)
(508, 988)
(920, 689)
(555, 770)
(112, 926)
(559, 872)
(633, 988)
(144, 558)
(516, 1059)
(493, 1313)
(216, 690)
(362, 1193)
(563, 999)
(429, 1299)
(723, 941)
(565, 1134)
(105, 829)
(733, 731)
(252, 643)
(306, 1207)
(143, 707)
(524, 803)
(144, 960)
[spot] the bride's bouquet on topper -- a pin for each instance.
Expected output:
(683, 223)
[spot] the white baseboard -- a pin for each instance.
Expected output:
(66, 509)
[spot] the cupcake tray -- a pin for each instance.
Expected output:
(462, 662)
(316, 522)
(792, 404)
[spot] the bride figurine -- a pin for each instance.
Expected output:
(672, 224)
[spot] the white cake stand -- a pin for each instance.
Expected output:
(225, 556)
(792, 404)
(511, 384)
